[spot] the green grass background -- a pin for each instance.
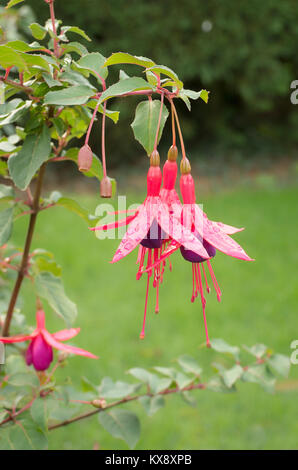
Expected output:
(259, 304)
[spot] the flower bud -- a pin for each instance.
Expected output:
(99, 403)
(185, 167)
(173, 153)
(85, 158)
(154, 158)
(106, 187)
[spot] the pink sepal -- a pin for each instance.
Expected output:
(65, 347)
(64, 335)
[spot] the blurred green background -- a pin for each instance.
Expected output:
(243, 148)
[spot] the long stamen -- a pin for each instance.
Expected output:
(193, 282)
(141, 265)
(142, 334)
(216, 286)
(203, 306)
(206, 282)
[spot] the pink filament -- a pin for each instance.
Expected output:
(206, 282)
(142, 334)
(216, 286)
(203, 305)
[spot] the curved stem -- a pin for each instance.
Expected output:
(24, 262)
(103, 149)
(173, 125)
(179, 129)
(159, 120)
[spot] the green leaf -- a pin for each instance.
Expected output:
(75, 47)
(38, 31)
(280, 363)
(24, 164)
(124, 58)
(77, 94)
(261, 375)
(193, 95)
(189, 364)
(95, 63)
(216, 384)
(39, 413)
(9, 58)
(123, 75)
(45, 265)
(22, 46)
(6, 192)
(125, 86)
(230, 376)
(145, 123)
(96, 167)
(24, 435)
(12, 3)
(36, 60)
(51, 288)
(168, 72)
(155, 383)
(6, 220)
(152, 404)
(258, 350)
(24, 379)
(221, 346)
(121, 424)
(50, 80)
(15, 114)
(75, 29)
(73, 206)
(110, 389)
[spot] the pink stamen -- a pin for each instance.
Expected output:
(216, 286)
(193, 282)
(203, 306)
(206, 282)
(142, 334)
(140, 270)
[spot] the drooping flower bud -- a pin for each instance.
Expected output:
(173, 153)
(106, 189)
(85, 158)
(99, 403)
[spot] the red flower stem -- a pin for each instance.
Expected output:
(91, 123)
(159, 121)
(179, 129)
(173, 125)
(103, 149)
(52, 13)
(24, 262)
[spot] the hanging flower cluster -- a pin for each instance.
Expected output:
(162, 225)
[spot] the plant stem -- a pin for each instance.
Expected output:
(159, 121)
(24, 262)
(179, 128)
(52, 13)
(168, 391)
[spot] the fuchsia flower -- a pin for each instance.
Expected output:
(40, 350)
(153, 226)
(213, 236)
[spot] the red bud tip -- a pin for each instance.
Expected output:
(106, 187)
(173, 153)
(85, 158)
(142, 335)
(154, 158)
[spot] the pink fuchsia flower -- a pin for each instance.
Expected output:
(213, 235)
(151, 227)
(40, 350)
